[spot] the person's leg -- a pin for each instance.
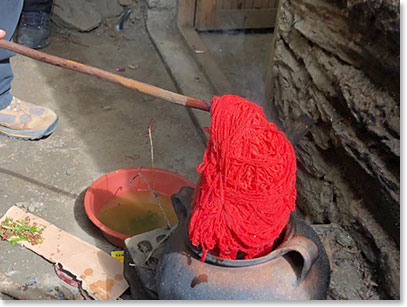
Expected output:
(34, 28)
(10, 11)
(37, 6)
(18, 118)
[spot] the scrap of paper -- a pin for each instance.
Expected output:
(101, 274)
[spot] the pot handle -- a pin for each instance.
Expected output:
(306, 248)
(181, 202)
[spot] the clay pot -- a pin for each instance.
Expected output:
(297, 269)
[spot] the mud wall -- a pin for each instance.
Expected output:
(338, 63)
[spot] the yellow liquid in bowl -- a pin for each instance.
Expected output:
(137, 212)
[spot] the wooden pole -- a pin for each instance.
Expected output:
(108, 76)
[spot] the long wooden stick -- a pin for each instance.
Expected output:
(105, 75)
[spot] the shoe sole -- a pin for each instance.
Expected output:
(29, 134)
(41, 45)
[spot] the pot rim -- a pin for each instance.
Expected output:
(287, 233)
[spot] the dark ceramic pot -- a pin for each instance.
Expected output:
(297, 269)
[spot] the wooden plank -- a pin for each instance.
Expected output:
(101, 275)
(233, 4)
(240, 4)
(264, 4)
(248, 4)
(185, 13)
(242, 19)
(227, 4)
(273, 3)
(205, 13)
(208, 65)
(210, 17)
(258, 4)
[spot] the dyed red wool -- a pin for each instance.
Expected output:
(247, 186)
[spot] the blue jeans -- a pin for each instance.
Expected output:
(10, 11)
(37, 5)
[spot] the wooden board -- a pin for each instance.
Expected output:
(235, 14)
(185, 21)
(101, 275)
(206, 62)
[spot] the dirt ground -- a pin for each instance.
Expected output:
(102, 128)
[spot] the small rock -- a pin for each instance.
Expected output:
(152, 3)
(107, 8)
(22, 204)
(31, 282)
(125, 2)
(136, 15)
(61, 292)
(76, 14)
(35, 206)
(132, 66)
(393, 145)
(344, 239)
(11, 273)
(70, 171)
(106, 108)
(147, 98)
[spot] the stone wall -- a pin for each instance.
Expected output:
(337, 61)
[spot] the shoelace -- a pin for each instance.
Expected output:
(33, 19)
(15, 105)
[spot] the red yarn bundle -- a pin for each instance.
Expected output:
(247, 186)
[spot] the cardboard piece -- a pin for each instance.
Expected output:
(101, 275)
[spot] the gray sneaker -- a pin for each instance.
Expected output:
(34, 29)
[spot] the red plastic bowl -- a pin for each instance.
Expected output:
(122, 181)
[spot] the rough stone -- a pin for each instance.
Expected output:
(76, 14)
(343, 72)
(35, 206)
(22, 204)
(71, 171)
(84, 15)
(351, 277)
(31, 207)
(152, 3)
(136, 15)
(107, 8)
(344, 239)
(125, 2)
